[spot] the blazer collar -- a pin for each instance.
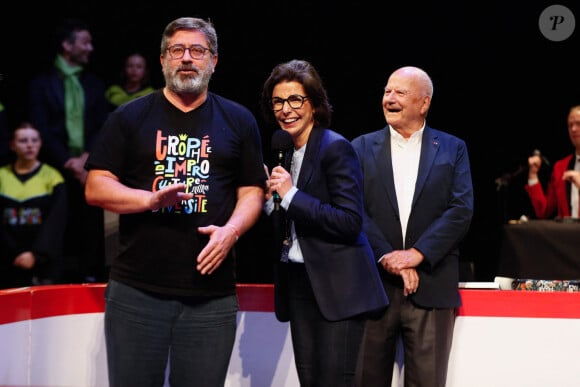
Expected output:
(310, 156)
(381, 152)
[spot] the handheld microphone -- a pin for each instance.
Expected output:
(537, 152)
(281, 143)
(505, 179)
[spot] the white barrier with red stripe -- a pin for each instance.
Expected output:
(53, 336)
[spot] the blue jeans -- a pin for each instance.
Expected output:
(143, 331)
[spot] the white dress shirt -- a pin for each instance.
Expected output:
(405, 155)
(294, 254)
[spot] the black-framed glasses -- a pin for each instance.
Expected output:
(295, 101)
(196, 51)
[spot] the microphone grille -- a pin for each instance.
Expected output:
(282, 140)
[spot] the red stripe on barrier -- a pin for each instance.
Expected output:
(515, 303)
(15, 305)
(70, 299)
(256, 298)
(56, 300)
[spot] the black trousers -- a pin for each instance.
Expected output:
(325, 352)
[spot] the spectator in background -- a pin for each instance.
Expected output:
(133, 81)
(418, 201)
(563, 188)
(33, 204)
(68, 106)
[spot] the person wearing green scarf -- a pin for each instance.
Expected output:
(74, 103)
(68, 106)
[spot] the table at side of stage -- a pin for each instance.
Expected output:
(540, 249)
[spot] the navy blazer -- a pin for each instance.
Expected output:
(327, 214)
(441, 212)
(47, 113)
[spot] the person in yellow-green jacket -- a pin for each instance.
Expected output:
(133, 83)
(33, 204)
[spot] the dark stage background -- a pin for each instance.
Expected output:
(499, 83)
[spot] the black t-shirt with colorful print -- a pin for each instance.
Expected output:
(148, 144)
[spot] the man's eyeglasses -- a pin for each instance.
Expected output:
(295, 101)
(177, 51)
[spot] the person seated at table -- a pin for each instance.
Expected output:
(562, 197)
(33, 204)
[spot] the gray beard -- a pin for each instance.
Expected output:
(194, 85)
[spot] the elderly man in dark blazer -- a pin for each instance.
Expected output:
(418, 199)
